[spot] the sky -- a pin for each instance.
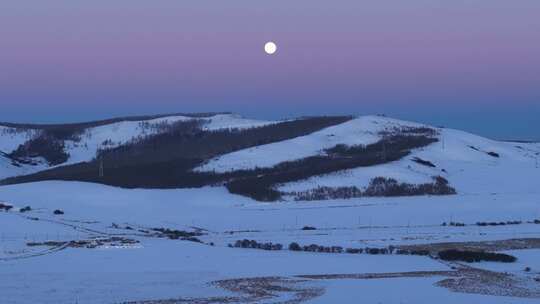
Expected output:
(472, 65)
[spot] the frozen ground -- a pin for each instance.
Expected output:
(159, 268)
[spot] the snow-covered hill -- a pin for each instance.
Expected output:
(471, 163)
(110, 135)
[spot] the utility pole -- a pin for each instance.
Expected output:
(442, 141)
(101, 167)
(383, 151)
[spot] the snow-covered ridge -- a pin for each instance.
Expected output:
(110, 135)
(471, 163)
(363, 130)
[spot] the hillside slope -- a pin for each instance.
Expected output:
(81, 142)
(303, 159)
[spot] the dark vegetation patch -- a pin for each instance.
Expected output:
(454, 224)
(256, 245)
(499, 223)
(5, 207)
(485, 224)
(309, 228)
(58, 212)
(179, 234)
(25, 209)
(18, 162)
(326, 193)
(379, 186)
(367, 250)
(48, 147)
(493, 154)
(90, 244)
(294, 246)
(389, 145)
(490, 153)
(475, 256)
(423, 162)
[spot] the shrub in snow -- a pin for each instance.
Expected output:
(25, 209)
(58, 212)
(423, 162)
(493, 154)
(294, 247)
(5, 207)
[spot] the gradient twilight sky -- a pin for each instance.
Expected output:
(472, 64)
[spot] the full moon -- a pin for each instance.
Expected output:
(270, 48)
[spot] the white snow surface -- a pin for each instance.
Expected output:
(162, 268)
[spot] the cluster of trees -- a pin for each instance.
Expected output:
(256, 245)
(48, 147)
(294, 246)
(379, 186)
(485, 224)
(454, 224)
(410, 130)
(179, 234)
(498, 223)
(475, 256)
(368, 250)
(386, 147)
(325, 193)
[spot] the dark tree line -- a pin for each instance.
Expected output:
(379, 186)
